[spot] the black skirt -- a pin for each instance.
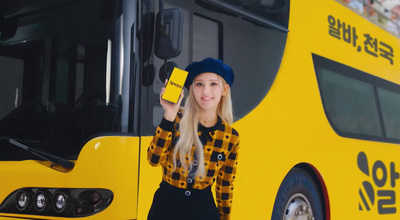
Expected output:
(173, 203)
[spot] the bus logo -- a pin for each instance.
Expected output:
(379, 189)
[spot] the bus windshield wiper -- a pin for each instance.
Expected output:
(46, 156)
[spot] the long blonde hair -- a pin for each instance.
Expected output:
(189, 129)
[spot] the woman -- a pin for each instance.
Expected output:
(196, 146)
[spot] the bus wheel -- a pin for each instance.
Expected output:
(298, 198)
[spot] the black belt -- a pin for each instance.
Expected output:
(185, 193)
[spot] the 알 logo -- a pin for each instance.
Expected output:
(377, 191)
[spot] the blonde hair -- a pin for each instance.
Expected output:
(189, 129)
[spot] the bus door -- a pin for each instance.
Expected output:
(65, 84)
(235, 32)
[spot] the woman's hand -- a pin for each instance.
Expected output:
(170, 108)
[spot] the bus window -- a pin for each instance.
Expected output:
(390, 105)
(55, 88)
(272, 13)
(357, 104)
(206, 38)
(349, 101)
(13, 86)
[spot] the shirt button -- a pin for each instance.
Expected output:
(219, 157)
(189, 180)
(195, 163)
(187, 193)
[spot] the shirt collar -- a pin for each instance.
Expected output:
(205, 131)
(210, 129)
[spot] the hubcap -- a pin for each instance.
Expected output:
(298, 208)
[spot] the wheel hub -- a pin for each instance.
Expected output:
(298, 208)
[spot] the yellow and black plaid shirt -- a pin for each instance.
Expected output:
(221, 145)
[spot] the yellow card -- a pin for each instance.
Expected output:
(175, 85)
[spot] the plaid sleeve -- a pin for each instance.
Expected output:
(224, 187)
(159, 146)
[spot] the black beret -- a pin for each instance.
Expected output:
(209, 65)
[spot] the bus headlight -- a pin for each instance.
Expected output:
(23, 199)
(41, 200)
(60, 201)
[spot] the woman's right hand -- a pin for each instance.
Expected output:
(170, 108)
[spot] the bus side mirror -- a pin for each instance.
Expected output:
(168, 39)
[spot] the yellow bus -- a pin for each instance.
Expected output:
(316, 101)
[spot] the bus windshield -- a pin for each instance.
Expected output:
(56, 84)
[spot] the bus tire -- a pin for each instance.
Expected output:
(298, 198)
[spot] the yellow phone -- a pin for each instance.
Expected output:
(175, 85)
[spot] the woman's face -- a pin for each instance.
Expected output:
(207, 90)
